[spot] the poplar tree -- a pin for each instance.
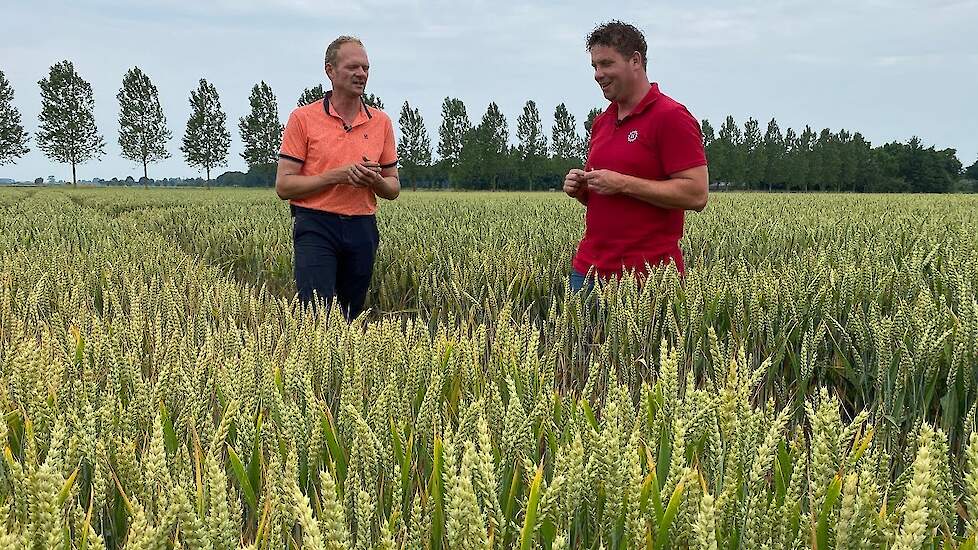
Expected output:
(311, 95)
(207, 139)
(533, 142)
(455, 126)
(143, 134)
(565, 143)
(13, 138)
(414, 147)
(261, 130)
(67, 132)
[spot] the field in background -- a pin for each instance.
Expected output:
(811, 382)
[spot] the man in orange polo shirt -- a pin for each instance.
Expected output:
(338, 155)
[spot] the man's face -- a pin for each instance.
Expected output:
(349, 75)
(613, 72)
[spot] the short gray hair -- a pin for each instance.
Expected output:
(333, 50)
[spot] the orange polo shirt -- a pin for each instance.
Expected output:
(318, 138)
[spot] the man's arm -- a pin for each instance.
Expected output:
(686, 189)
(290, 185)
(389, 185)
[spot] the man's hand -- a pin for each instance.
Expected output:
(574, 184)
(382, 181)
(365, 174)
(604, 182)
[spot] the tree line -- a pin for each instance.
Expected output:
(828, 161)
(469, 155)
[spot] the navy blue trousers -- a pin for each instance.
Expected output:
(578, 281)
(334, 256)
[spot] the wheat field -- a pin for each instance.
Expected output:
(811, 383)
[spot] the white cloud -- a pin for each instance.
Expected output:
(913, 59)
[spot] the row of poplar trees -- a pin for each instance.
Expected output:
(477, 156)
(68, 134)
(840, 161)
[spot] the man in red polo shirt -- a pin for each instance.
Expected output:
(645, 167)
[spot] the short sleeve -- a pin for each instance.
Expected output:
(294, 140)
(680, 141)
(388, 159)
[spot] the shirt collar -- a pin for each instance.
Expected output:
(362, 116)
(650, 97)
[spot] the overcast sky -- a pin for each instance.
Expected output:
(889, 69)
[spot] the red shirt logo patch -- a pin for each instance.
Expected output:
(632, 136)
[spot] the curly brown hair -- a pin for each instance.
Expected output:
(624, 38)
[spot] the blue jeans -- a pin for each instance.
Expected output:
(578, 281)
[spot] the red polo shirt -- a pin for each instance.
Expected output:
(657, 139)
